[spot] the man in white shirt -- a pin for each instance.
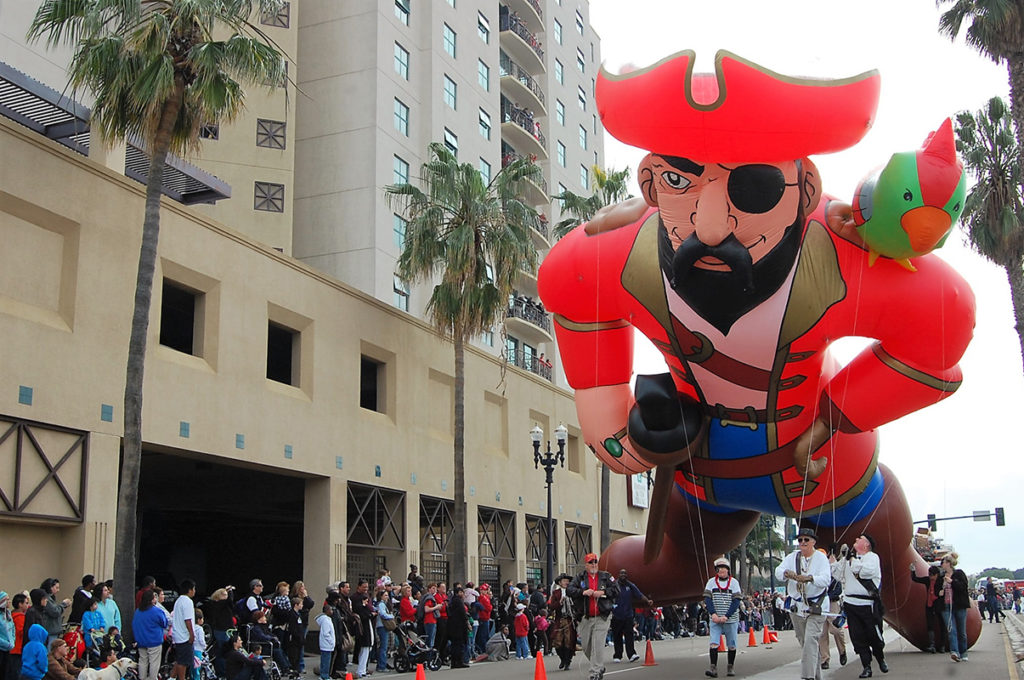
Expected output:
(807, 575)
(862, 577)
(182, 629)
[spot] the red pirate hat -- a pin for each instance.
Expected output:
(742, 113)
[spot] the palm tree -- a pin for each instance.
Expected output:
(993, 213)
(996, 29)
(157, 73)
(473, 238)
(610, 187)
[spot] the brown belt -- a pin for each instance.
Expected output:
(764, 465)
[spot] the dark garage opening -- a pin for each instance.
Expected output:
(217, 524)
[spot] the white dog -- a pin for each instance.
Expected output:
(114, 671)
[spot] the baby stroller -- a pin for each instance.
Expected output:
(413, 650)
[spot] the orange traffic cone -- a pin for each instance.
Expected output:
(721, 644)
(539, 672)
(649, 658)
(752, 641)
(767, 640)
(348, 676)
(420, 674)
(775, 636)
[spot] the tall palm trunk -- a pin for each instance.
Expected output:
(125, 535)
(459, 531)
(1015, 275)
(744, 570)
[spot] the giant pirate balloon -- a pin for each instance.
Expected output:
(741, 272)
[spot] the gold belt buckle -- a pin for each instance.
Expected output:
(725, 422)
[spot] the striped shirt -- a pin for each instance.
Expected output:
(722, 594)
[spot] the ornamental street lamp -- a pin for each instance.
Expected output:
(769, 524)
(549, 460)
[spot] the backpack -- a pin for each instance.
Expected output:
(835, 589)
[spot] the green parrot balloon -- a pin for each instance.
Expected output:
(908, 208)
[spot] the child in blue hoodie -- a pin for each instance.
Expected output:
(34, 663)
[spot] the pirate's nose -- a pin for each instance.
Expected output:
(711, 218)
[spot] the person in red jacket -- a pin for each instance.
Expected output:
(522, 630)
(485, 606)
(406, 610)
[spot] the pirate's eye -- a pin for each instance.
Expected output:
(675, 180)
(907, 196)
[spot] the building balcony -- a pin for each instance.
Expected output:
(521, 44)
(529, 362)
(530, 12)
(522, 130)
(536, 191)
(521, 86)
(528, 319)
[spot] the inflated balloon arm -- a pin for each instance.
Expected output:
(908, 208)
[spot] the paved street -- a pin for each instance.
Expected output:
(992, 658)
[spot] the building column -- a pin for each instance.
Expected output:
(412, 531)
(472, 542)
(325, 524)
(88, 548)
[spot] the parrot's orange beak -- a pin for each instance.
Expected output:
(925, 225)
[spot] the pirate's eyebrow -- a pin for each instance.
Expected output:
(684, 165)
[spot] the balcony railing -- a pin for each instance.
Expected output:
(511, 68)
(540, 181)
(512, 22)
(536, 5)
(523, 118)
(529, 362)
(529, 311)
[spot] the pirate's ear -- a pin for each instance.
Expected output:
(810, 185)
(645, 176)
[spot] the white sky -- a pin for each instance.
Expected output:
(964, 453)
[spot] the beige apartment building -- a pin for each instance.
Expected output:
(298, 414)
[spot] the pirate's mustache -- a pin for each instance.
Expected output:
(730, 251)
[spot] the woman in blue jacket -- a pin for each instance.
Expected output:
(34, 663)
(148, 627)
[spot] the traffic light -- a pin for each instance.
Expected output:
(1000, 518)
(932, 524)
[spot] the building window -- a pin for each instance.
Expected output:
(594, 116)
(400, 297)
(485, 171)
(581, 98)
(178, 307)
(561, 189)
(560, 154)
(485, 125)
(282, 350)
(558, 32)
(579, 22)
(402, 61)
(451, 142)
(487, 337)
(581, 61)
(583, 138)
(402, 11)
(448, 38)
(211, 131)
(371, 384)
(401, 117)
(584, 177)
(452, 3)
(559, 72)
(483, 27)
(398, 226)
(401, 171)
(280, 18)
(483, 75)
(451, 92)
(560, 112)
(268, 197)
(270, 133)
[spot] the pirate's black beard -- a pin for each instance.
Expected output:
(730, 251)
(722, 297)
